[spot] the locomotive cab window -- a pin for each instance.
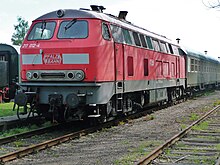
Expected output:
(42, 31)
(73, 29)
(105, 32)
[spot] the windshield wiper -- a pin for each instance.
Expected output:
(70, 24)
(43, 27)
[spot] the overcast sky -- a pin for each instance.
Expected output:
(195, 24)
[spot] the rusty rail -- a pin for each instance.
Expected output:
(156, 152)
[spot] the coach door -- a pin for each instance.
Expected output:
(119, 67)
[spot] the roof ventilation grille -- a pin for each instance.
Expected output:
(97, 8)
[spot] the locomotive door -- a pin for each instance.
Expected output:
(119, 68)
(177, 70)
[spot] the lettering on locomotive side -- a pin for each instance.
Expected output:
(52, 59)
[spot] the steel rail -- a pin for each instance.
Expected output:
(65, 138)
(37, 147)
(156, 152)
(39, 131)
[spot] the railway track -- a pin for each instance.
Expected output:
(14, 123)
(22, 151)
(199, 143)
(28, 149)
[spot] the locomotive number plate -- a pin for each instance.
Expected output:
(52, 59)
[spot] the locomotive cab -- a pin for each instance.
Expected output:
(67, 59)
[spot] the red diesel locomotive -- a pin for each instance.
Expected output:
(83, 64)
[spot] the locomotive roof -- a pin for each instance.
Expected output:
(199, 55)
(89, 14)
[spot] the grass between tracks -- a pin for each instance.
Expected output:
(6, 109)
(143, 149)
(18, 130)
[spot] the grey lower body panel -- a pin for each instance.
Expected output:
(96, 93)
(139, 85)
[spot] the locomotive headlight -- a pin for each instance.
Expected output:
(28, 75)
(70, 75)
(35, 75)
(79, 76)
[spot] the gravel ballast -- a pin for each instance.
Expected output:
(110, 146)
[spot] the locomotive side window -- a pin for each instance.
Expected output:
(136, 39)
(170, 48)
(156, 45)
(159, 68)
(73, 29)
(105, 32)
(127, 36)
(143, 40)
(117, 33)
(163, 47)
(173, 73)
(146, 72)
(42, 31)
(166, 69)
(149, 43)
(175, 50)
(130, 66)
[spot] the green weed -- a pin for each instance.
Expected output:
(6, 109)
(202, 126)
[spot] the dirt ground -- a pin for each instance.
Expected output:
(111, 146)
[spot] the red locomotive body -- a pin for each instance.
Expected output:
(82, 63)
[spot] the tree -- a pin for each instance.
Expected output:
(212, 3)
(20, 31)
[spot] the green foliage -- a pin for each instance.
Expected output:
(6, 109)
(194, 117)
(216, 103)
(20, 31)
(202, 126)
(18, 143)
(136, 153)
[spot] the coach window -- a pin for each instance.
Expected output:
(163, 47)
(73, 29)
(136, 39)
(144, 44)
(149, 43)
(130, 66)
(196, 65)
(156, 45)
(146, 67)
(192, 68)
(105, 32)
(2, 58)
(117, 33)
(127, 36)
